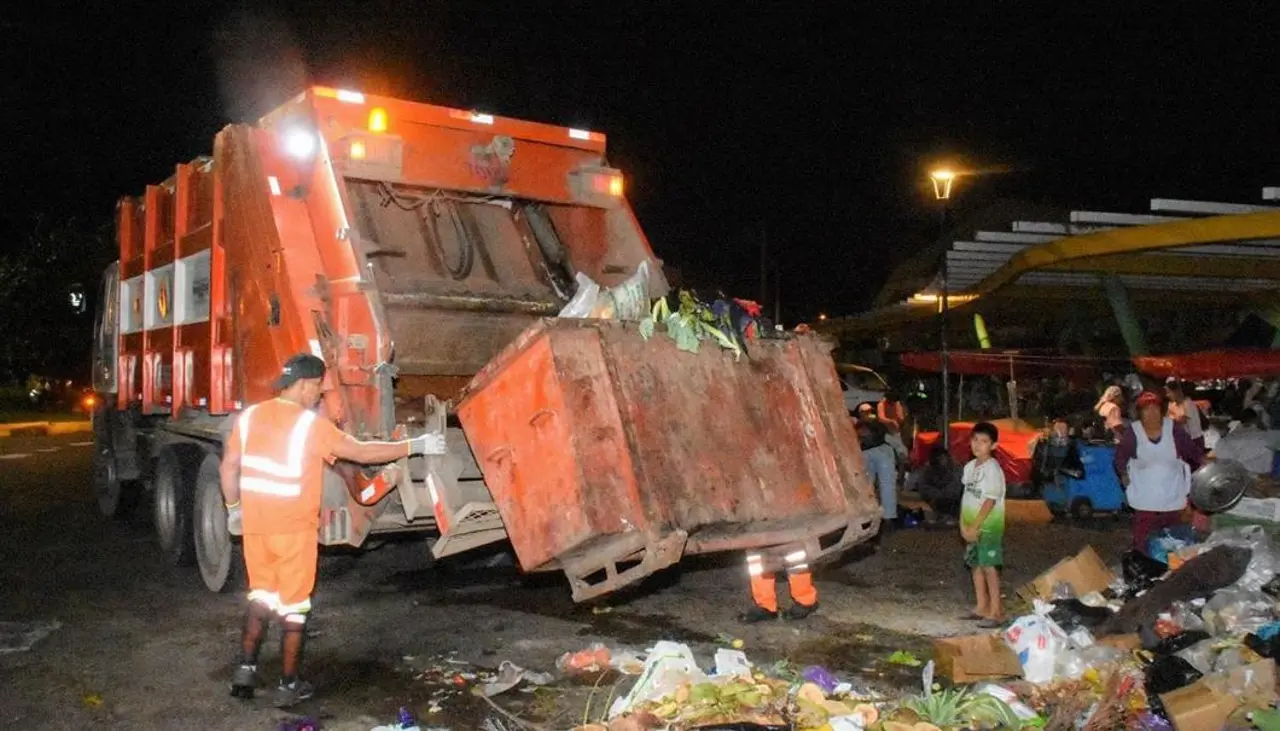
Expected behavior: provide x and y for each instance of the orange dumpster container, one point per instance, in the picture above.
(610, 457)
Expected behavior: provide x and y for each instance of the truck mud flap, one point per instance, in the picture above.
(625, 561)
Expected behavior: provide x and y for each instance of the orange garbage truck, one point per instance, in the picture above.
(424, 252)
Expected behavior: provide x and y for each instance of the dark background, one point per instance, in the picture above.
(814, 123)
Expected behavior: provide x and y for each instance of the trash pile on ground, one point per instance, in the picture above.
(1182, 642)
(1145, 647)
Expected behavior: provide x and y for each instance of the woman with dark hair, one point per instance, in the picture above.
(1155, 458)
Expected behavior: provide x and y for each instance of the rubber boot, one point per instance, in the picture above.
(799, 611)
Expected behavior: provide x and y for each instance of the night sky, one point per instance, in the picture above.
(813, 125)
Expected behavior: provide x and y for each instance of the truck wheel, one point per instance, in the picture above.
(217, 553)
(116, 499)
(173, 508)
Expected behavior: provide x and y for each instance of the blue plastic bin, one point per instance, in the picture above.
(1099, 491)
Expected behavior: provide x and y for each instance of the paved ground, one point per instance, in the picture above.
(143, 646)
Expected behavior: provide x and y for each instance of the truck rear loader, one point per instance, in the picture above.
(423, 252)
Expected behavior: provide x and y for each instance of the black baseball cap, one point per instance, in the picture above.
(302, 365)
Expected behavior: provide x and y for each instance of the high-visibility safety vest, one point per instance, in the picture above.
(280, 477)
(273, 474)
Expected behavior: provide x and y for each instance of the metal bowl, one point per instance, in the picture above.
(1219, 485)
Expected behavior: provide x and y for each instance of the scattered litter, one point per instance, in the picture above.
(509, 676)
(901, 657)
(823, 678)
(93, 700)
(310, 724)
(731, 663)
(21, 636)
(593, 659)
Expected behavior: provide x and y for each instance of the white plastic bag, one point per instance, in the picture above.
(631, 298)
(1037, 641)
(584, 300)
(668, 665)
(732, 663)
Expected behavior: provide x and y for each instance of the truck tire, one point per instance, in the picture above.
(116, 499)
(217, 553)
(172, 506)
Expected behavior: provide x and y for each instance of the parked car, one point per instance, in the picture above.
(860, 385)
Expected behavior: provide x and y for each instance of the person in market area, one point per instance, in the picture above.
(271, 477)
(1055, 455)
(1251, 446)
(1154, 459)
(881, 461)
(1110, 408)
(1184, 411)
(893, 414)
(982, 524)
(763, 568)
(938, 484)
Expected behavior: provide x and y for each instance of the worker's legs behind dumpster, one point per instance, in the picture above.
(804, 594)
(763, 590)
(881, 463)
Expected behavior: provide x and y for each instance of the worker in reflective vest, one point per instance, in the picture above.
(763, 570)
(272, 474)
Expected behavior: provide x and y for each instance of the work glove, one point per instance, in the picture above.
(428, 444)
(235, 522)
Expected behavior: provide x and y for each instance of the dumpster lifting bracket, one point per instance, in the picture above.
(655, 556)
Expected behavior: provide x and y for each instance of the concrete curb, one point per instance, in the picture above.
(44, 428)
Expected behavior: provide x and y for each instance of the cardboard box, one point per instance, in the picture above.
(1128, 643)
(971, 658)
(1206, 704)
(1085, 572)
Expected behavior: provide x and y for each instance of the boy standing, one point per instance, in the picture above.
(982, 524)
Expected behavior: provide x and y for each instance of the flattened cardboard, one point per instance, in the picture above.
(1085, 572)
(1128, 643)
(1206, 704)
(971, 658)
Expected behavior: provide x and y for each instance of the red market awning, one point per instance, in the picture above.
(1003, 363)
(1211, 364)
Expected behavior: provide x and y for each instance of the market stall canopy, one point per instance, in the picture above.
(1013, 450)
(1212, 364)
(1013, 363)
(1184, 252)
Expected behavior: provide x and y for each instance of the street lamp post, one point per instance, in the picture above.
(942, 180)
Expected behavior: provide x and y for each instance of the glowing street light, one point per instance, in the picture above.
(942, 179)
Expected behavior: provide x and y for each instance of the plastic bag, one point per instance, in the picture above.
(1169, 673)
(1265, 562)
(1037, 641)
(1140, 572)
(1168, 541)
(1235, 611)
(631, 298)
(1201, 654)
(1186, 617)
(1234, 657)
(1178, 643)
(668, 665)
(584, 300)
(594, 659)
(1070, 614)
(1069, 665)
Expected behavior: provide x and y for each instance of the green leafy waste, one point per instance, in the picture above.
(689, 325)
(902, 657)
